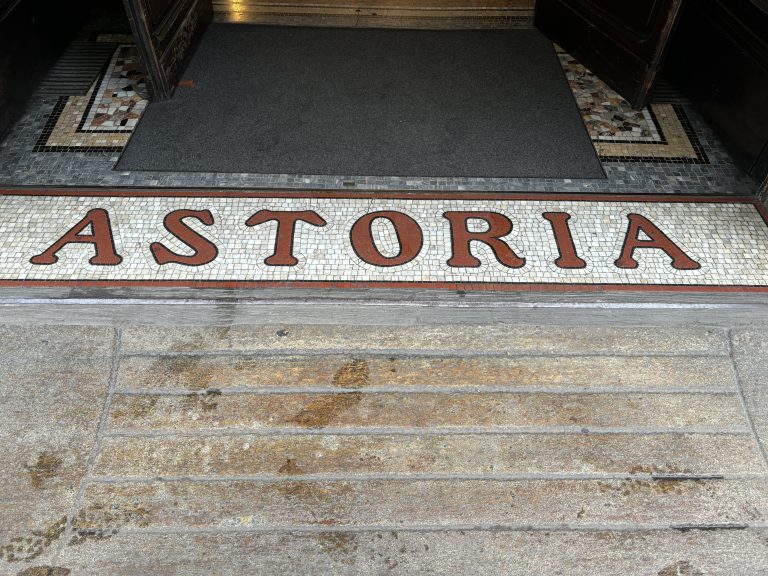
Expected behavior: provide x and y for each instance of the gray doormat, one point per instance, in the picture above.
(366, 102)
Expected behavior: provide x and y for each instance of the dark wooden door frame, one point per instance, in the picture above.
(611, 40)
(166, 31)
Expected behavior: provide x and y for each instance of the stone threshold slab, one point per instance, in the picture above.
(99, 238)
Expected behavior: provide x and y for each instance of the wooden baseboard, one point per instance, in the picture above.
(509, 14)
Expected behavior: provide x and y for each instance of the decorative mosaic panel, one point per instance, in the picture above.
(454, 241)
(116, 104)
(105, 117)
(607, 116)
(658, 132)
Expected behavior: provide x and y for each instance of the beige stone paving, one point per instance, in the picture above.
(468, 552)
(379, 450)
(358, 455)
(50, 405)
(194, 373)
(425, 411)
(447, 339)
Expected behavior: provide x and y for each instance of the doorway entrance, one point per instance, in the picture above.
(664, 146)
(622, 44)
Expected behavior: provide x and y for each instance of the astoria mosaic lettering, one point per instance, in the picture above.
(490, 228)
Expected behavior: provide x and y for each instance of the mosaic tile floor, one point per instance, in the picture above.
(76, 140)
(660, 132)
(357, 239)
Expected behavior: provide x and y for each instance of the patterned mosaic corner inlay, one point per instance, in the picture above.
(658, 132)
(104, 118)
(453, 241)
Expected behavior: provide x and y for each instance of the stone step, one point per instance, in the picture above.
(651, 373)
(399, 504)
(364, 455)
(470, 553)
(356, 450)
(461, 340)
(351, 410)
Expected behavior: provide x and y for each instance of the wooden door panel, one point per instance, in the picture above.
(622, 42)
(639, 15)
(166, 31)
(158, 9)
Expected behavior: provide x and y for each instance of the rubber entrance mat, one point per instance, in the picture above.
(365, 102)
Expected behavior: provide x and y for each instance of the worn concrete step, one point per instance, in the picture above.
(652, 373)
(431, 454)
(51, 388)
(49, 416)
(393, 504)
(50, 405)
(517, 339)
(424, 410)
(470, 553)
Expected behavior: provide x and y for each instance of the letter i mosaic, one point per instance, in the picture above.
(485, 241)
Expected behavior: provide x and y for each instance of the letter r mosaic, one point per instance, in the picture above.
(324, 239)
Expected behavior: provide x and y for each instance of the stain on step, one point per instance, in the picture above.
(29, 547)
(101, 522)
(327, 408)
(205, 401)
(45, 571)
(339, 545)
(681, 568)
(193, 371)
(46, 468)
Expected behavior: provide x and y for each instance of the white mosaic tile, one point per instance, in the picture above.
(726, 240)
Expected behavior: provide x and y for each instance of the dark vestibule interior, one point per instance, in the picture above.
(714, 53)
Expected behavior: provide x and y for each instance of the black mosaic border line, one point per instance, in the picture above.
(693, 138)
(690, 133)
(53, 118)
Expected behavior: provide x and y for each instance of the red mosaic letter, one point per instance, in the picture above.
(101, 238)
(564, 240)
(286, 227)
(408, 232)
(461, 239)
(205, 251)
(657, 239)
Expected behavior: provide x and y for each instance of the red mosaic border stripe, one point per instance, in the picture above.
(457, 286)
(375, 194)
